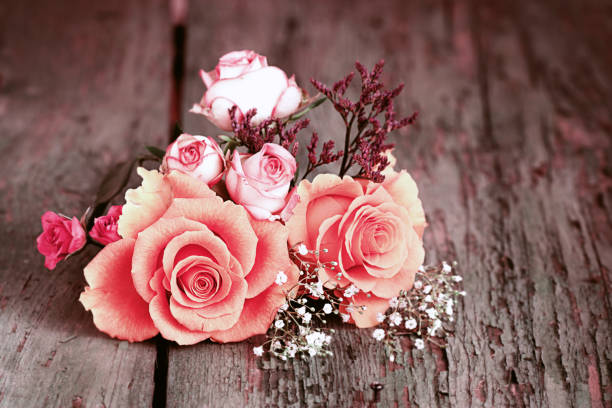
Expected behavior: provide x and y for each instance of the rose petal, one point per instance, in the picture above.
(169, 328)
(117, 308)
(257, 316)
(145, 204)
(374, 305)
(149, 249)
(218, 316)
(272, 256)
(227, 220)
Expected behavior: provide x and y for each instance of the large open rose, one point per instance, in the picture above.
(372, 230)
(190, 266)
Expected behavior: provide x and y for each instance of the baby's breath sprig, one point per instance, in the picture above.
(299, 328)
(424, 312)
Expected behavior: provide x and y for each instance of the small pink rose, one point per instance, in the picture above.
(244, 79)
(61, 237)
(197, 156)
(105, 228)
(260, 182)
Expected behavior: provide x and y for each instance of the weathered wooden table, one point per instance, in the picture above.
(512, 153)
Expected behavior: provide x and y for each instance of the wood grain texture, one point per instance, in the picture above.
(511, 153)
(78, 93)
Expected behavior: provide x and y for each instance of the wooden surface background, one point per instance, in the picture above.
(512, 153)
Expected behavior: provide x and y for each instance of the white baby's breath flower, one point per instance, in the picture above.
(302, 250)
(419, 344)
(421, 268)
(428, 299)
(345, 317)
(418, 284)
(301, 310)
(292, 349)
(284, 306)
(446, 268)
(351, 291)
(449, 308)
(395, 318)
(463, 293)
(316, 290)
(307, 317)
(258, 351)
(422, 307)
(427, 289)
(327, 308)
(279, 324)
(378, 334)
(281, 278)
(411, 324)
(316, 339)
(432, 313)
(393, 302)
(380, 317)
(392, 358)
(457, 278)
(436, 325)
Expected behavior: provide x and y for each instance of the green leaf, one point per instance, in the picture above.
(176, 131)
(308, 108)
(225, 138)
(156, 151)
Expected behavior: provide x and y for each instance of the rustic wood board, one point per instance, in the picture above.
(511, 153)
(83, 85)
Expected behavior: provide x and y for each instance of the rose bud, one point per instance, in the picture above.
(105, 228)
(260, 182)
(197, 156)
(244, 79)
(61, 237)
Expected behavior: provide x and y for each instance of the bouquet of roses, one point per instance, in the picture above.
(228, 238)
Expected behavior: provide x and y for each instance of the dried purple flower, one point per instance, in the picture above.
(253, 137)
(367, 146)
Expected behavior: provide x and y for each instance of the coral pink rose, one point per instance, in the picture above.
(197, 156)
(105, 228)
(203, 269)
(373, 231)
(260, 182)
(61, 237)
(244, 79)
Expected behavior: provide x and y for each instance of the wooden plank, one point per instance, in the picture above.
(511, 156)
(82, 86)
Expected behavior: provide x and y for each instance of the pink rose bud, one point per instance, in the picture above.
(61, 237)
(105, 228)
(196, 156)
(244, 79)
(260, 182)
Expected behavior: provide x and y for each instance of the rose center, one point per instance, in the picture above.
(273, 167)
(199, 283)
(191, 154)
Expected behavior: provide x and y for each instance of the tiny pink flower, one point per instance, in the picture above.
(61, 237)
(105, 228)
